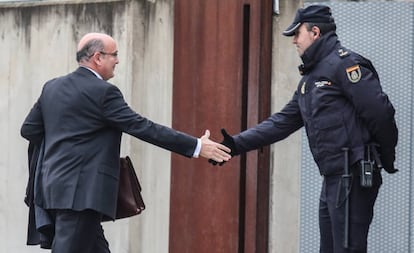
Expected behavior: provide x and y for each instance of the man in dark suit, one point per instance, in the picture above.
(80, 118)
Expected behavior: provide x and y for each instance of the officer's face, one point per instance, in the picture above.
(304, 38)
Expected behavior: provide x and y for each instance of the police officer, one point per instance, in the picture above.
(340, 102)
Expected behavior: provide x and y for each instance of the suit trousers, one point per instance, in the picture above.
(332, 213)
(78, 232)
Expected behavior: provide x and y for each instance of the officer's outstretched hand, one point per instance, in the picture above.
(228, 142)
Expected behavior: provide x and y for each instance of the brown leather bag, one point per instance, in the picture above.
(130, 201)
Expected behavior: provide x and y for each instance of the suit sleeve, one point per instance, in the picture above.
(118, 114)
(275, 128)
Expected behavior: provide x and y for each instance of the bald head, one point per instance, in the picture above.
(98, 51)
(93, 36)
(91, 43)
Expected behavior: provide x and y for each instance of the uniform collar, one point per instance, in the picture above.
(317, 51)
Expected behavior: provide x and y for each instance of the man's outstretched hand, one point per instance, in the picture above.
(212, 150)
(228, 142)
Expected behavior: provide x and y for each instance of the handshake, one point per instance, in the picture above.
(229, 143)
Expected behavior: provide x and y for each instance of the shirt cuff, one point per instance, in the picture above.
(197, 149)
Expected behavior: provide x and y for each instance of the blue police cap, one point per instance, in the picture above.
(310, 14)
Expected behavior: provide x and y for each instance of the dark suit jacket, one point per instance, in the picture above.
(81, 119)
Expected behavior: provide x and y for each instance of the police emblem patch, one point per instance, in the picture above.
(354, 73)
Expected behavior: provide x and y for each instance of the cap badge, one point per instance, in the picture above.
(354, 73)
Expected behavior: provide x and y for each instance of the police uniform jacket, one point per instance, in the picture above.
(340, 102)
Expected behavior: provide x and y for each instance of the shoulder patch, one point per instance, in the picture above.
(354, 73)
(342, 53)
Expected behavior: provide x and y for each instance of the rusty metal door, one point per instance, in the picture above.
(222, 63)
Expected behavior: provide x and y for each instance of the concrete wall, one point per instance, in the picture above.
(286, 155)
(38, 41)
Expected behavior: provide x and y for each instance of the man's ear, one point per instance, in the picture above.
(96, 58)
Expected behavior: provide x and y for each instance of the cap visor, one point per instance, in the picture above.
(290, 31)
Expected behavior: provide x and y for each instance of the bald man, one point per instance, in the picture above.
(80, 119)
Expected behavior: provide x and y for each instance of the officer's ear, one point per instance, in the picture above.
(316, 32)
